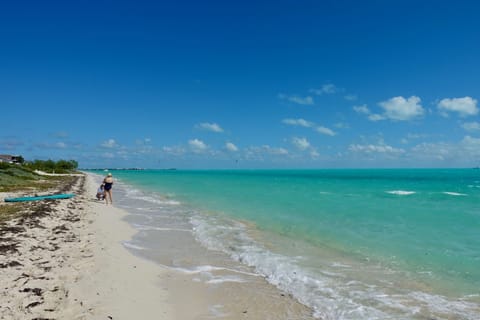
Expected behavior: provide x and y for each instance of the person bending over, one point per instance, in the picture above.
(101, 193)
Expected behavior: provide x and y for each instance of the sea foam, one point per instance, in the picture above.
(455, 193)
(401, 192)
(132, 246)
(330, 293)
(333, 292)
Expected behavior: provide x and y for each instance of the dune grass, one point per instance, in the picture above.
(23, 181)
(15, 178)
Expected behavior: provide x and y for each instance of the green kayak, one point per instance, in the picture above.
(52, 196)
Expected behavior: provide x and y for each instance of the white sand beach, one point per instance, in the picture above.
(67, 261)
(70, 264)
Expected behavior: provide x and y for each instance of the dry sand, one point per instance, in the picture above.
(118, 285)
(66, 260)
(38, 256)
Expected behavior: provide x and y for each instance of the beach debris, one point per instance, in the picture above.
(35, 291)
(33, 304)
(12, 263)
(34, 246)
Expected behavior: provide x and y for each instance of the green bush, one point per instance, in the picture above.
(61, 166)
(4, 165)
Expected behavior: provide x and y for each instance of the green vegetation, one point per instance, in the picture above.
(12, 210)
(50, 166)
(15, 177)
(23, 179)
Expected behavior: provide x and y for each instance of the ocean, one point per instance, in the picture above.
(349, 244)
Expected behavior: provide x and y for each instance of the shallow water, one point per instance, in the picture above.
(349, 244)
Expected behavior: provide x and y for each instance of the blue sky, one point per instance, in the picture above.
(247, 84)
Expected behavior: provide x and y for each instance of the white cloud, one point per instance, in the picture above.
(308, 100)
(231, 147)
(110, 143)
(342, 125)
(197, 146)
(174, 151)
(376, 117)
(466, 152)
(308, 124)
(466, 106)
(213, 127)
(328, 88)
(144, 150)
(471, 143)
(264, 153)
(363, 109)
(47, 145)
(301, 143)
(298, 122)
(399, 108)
(314, 153)
(142, 147)
(326, 131)
(432, 151)
(299, 100)
(351, 97)
(471, 126)
(265, 149)
(413, 136)
(276, 151)
(370, 148)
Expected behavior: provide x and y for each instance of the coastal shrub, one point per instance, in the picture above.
(4, 166)
(15, 177)
(50, 166)
(19, 178)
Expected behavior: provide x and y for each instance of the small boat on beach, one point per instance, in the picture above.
(36, 198)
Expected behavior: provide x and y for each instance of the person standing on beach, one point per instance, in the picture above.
(107, 187)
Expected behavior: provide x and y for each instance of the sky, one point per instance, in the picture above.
(241, 84)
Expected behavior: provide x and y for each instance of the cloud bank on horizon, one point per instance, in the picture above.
(296, 148)
(223, 85)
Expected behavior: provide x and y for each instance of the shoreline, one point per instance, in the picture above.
(67, 260)
(118, 284)
(81, 259)
(178, 217)
(191, 293)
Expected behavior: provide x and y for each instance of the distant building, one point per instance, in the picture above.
(10, 159)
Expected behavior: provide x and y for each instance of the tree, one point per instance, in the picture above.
(61, 166)
(19, 159)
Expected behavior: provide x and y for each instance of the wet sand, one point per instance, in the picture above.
(67, 260)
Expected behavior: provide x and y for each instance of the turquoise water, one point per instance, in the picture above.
(371, 243)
